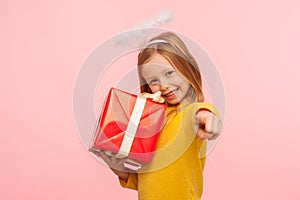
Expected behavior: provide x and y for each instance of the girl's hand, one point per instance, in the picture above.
(210, 125)
(115, 164)
(112, 161)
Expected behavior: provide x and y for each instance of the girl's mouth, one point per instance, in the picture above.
(170, 94)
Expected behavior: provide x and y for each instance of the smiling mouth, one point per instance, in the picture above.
(168, 94)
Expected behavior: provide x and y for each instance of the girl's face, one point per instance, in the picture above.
(161, 76)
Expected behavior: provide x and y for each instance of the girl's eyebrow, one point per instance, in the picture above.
(163, 72)
(167, 69)
(150, 77)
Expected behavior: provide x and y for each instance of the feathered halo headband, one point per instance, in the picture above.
(166, 42)
(143, 30)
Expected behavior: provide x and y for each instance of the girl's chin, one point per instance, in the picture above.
(172, 103)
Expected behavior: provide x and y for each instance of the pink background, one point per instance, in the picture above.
(254, 44)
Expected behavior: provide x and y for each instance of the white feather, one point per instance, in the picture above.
(139, 35)
(159, 19)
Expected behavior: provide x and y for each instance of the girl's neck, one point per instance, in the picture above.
(180, 105)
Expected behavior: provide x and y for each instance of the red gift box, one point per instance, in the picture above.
(129, 126)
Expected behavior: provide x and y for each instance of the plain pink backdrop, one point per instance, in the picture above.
(254, 44)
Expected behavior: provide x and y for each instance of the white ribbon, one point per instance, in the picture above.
(135, 120)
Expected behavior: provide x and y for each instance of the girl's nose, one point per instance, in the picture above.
(164, 85)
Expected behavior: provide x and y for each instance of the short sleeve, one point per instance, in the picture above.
(208, 106)
(132, 182)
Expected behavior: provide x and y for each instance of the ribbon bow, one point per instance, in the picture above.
(155, 97)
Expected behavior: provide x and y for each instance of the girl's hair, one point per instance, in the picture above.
(173, 49)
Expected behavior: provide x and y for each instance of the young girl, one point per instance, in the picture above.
(175, 172)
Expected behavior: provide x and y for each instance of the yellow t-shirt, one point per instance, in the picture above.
(177, 165)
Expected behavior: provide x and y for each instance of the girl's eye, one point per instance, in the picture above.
(169, 73)
(153, 82)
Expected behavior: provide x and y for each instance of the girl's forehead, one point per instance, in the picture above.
(158, 59)
(155, 65)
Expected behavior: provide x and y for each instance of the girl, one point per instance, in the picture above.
(175, 172)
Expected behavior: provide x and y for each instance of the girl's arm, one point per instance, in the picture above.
(127, 178)
(122, 175)
(115, 164)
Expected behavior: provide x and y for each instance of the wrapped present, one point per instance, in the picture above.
(129, 126)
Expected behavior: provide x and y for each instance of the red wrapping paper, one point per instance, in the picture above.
(114, 119)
